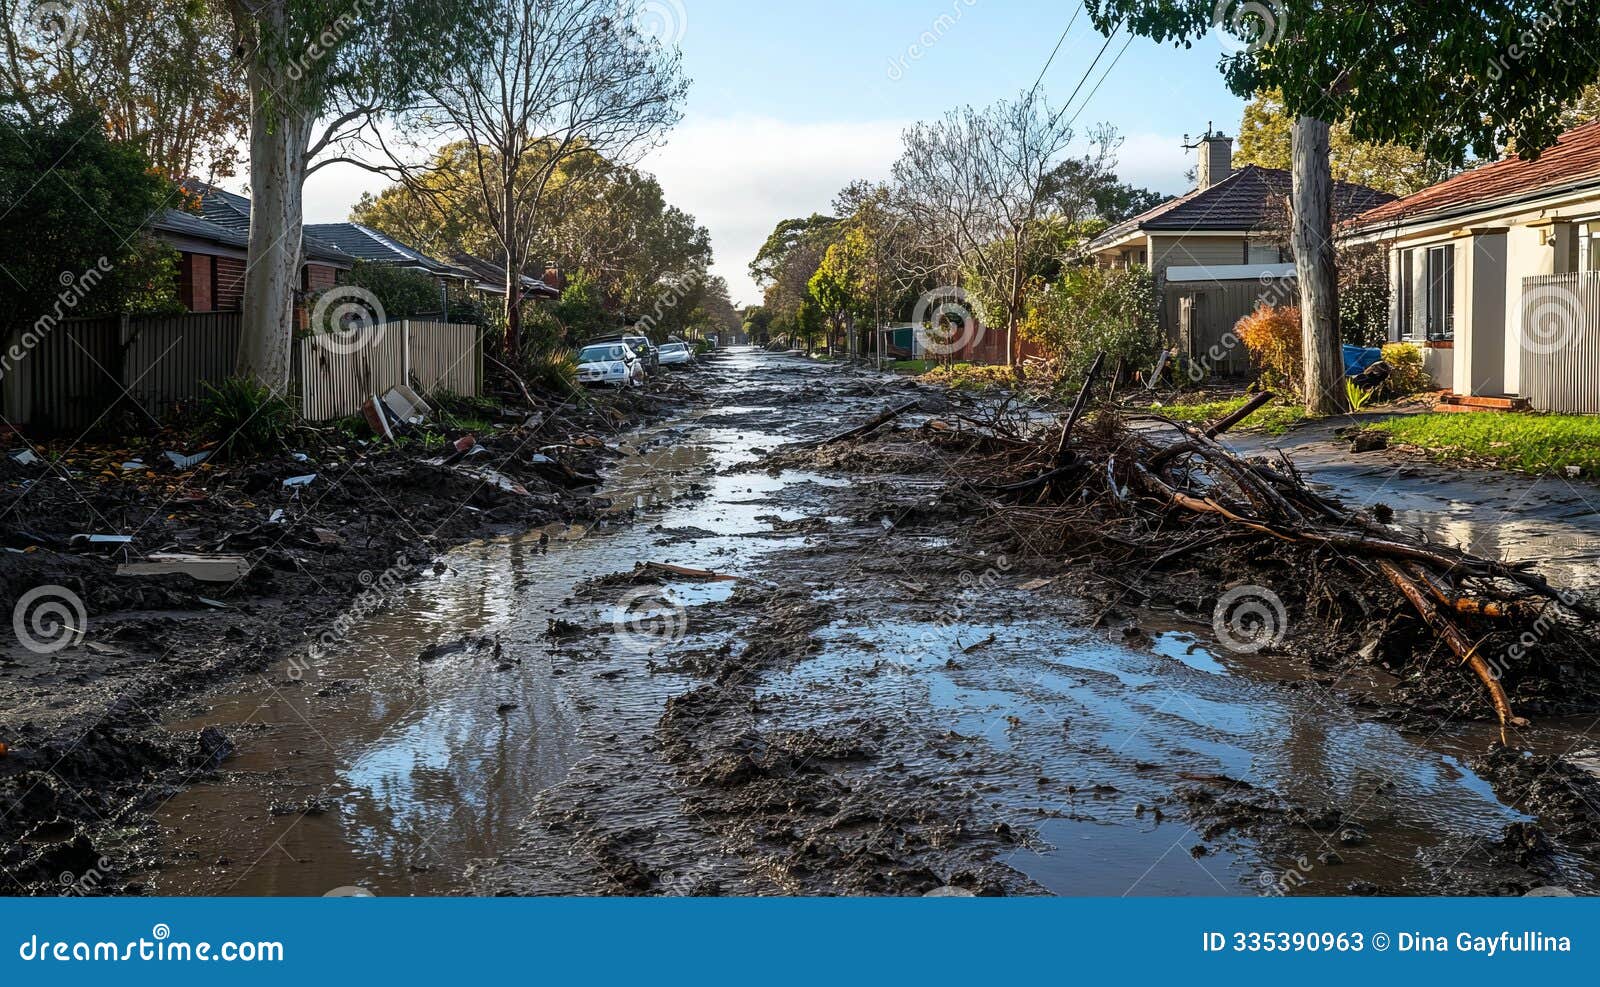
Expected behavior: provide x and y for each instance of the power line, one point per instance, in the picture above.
(1056, 51)
(1088, 71)
(1085, 104)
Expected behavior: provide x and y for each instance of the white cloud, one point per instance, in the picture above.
(1155, 161)
(740, 175)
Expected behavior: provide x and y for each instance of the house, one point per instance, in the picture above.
(1219, 249)
(212, 245)
(491, 278)
(1496, 274)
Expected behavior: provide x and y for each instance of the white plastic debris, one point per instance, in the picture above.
(24, 456)
(299, 481)
(183, 462)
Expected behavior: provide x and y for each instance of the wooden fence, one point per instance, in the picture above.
(1560, 342)
(79, 373)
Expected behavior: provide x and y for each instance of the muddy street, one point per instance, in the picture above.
(843, 687)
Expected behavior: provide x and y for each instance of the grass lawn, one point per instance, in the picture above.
(910, 366)
(1274, 419)
(1535, 443)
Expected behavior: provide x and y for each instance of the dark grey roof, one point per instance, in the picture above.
(492, 277)
(199, 228)
(1242, 202)
(226, 219)
(370, 245)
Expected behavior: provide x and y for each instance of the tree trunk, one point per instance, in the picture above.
(278, 142)
(513, 340)
(1314, 264)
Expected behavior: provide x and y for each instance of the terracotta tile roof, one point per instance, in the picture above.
(1242, 201)
(1574, 159)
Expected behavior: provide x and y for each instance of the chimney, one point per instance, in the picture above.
(1216, 159)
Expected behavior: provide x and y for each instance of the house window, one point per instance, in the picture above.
(1408, 302)
(1441, 296)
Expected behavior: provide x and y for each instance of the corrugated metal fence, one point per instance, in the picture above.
(1204, 314)
(1560, 341)
(79, 373)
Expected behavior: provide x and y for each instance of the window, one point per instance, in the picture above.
(1441, 293)
(1408, 305)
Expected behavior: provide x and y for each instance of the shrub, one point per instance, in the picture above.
(1272, 335)
(974, 377)
(402, 293)
(554, 369)
(246, 418)
(1408, 375)
(1363, 294)
(1092, 310)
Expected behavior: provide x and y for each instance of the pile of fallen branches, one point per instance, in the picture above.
(1145, 484)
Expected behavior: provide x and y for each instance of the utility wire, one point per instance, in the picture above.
(1085, 104)
(1056, 51)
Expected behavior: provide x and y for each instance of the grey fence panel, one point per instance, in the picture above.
(169, 360)
(1560, 342)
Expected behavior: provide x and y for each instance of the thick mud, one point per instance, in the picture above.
(879, 702)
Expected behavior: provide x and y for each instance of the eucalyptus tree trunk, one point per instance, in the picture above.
(1314, 264)
(278, 141)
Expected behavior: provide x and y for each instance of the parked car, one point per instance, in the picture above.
(675, 354)
(610, 365)
(647, 351)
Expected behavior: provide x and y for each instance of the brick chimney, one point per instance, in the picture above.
(1216, 159)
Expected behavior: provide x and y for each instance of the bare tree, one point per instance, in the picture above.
(554, 80)
(981, 183)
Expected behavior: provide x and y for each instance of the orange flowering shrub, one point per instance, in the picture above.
(1272, 335)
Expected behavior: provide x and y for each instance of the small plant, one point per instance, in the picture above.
(246, 418)
(1272, 335)
(1407, 374)
(554, 369)
(1359, 396)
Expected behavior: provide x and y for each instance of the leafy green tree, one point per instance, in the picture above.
(1090, 310)
(73, 242)
(785, 238)
(160, 72)
(1116, 201)
(1264, 140)
(401, 292)
(1432, 76)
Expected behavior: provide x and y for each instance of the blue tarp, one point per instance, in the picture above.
(1359, 358)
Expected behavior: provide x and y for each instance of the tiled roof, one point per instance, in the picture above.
(226, 216)
(370, 245)
(1242, 202)
(1574, 160)
(200, 228)
(492, 277)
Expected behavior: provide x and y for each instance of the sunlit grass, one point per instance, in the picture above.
(1534, 443)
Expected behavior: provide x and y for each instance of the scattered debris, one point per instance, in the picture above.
(685, 572)
(182, 462)
(80, 541)
(24, 456)
(299, 481)
(205, 568)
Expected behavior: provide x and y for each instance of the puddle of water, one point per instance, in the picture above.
(426, 767)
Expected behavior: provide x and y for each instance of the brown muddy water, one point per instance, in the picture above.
(382, 771)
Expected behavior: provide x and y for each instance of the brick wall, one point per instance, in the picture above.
(229, 291)
(194, 282)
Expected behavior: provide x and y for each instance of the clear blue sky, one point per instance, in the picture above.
(791, 101)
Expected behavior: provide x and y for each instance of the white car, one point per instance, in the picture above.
(609, 365)
(675, 354)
